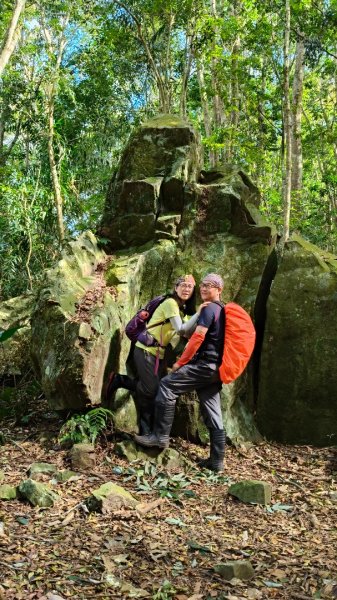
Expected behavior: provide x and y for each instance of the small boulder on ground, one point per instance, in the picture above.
(7, 492)
(83, 457)
(38, 494)
(240, 569)
(63, 476)
(37, 469)
(110, 497)
(168, 458)
(251, 491)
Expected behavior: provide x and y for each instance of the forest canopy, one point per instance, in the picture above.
(257, 79)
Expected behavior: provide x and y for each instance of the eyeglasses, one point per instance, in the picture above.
(207, 286)
(186, 286)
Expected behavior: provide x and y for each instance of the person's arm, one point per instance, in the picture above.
(191, 347)
(183, 327)
(186, 327)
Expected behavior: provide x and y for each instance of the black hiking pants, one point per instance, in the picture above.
(147, 387)
(201, 376)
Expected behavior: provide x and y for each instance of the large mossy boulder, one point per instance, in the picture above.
(297, 400)
(165, 216)
(163, 150)
(74, 320)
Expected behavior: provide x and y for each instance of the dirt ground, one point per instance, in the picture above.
(191, 524)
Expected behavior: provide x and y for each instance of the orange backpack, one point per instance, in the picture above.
(238, 344)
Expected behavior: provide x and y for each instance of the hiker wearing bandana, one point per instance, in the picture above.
(170, 315)
(197, 369)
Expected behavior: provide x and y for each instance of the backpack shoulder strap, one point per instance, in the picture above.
(158, 323)
(164, 321)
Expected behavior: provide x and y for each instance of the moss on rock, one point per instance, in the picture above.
(297, 400)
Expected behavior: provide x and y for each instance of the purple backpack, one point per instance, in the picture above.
(136, 329)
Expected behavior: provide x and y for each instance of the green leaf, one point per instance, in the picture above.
(172, 521)
(8, 333)
(190, 493)
(195, 546)
(282, 507)
(22, 520)
(273, 584)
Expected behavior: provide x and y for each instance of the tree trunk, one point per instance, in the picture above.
(287, 127)
(51, 94)
(53, 168)
(189, 54)
(12, 35)
(162, 79)
(205, 109)
(218, 114)
(234, 91)
(296, 142)
(262, 127)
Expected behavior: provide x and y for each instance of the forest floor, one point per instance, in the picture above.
(170, 551)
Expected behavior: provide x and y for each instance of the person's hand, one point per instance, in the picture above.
(175, 367)
(203, 305)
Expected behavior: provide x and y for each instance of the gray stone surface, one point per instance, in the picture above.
(252, 491)
(168, 458)
(38, 494)
(110, 497)
(70, 358)
(83, 457)
(240, 569)
(37, 469)
(297, 399)
(7, 492)
(63, 476)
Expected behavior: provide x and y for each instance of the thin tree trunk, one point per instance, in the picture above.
(53, 169)
(51, 93)
(260, 118)
(205, 109)
(189, 55)
(164, 94)
(234, 90)
(12, 35)
(296, 143)
(218, 115)
(27, 212)
(287, 127)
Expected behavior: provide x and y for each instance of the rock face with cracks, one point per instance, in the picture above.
(165, 216)
(70, 345)
(297, 400)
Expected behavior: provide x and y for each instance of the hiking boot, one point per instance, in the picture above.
(160, 437)
(116, 381)
(217, 452)
(152, 441)
(206, 463)
(145, 421)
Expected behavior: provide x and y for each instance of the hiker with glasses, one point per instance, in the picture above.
(166, 324)
(197, 369)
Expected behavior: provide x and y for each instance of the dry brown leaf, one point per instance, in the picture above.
(146, 507)
(314, 521)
